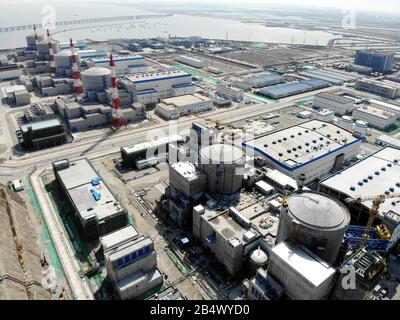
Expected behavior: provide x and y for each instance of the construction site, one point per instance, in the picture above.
(190, 168)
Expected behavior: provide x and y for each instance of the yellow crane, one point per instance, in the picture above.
(373, 212)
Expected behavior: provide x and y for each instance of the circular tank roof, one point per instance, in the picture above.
(221, 153)
(259, 256)
(317, 210)
(96, 71)
(347, 118)
(361, 123)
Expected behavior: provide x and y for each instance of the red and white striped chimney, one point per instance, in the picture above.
(76, 75)
(35, 34)
(118, 119)
(51, 54)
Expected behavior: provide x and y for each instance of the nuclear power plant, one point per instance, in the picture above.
(206, 166)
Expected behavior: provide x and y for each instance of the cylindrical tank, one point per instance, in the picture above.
(360, 129)
(96, 79)
(346, 122)
(63, 59)
(315, 220)
(258, 259)
(224, 166)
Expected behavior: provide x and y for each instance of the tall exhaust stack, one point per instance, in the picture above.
(51, 54)
(36, 38)
(76, 75)
(118, 119)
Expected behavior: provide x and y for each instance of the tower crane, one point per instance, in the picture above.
(377, 200)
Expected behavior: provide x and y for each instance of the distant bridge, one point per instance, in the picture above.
(85, 21)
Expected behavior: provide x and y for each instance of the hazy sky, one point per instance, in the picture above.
(368, 5)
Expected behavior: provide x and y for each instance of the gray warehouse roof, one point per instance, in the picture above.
(334, 97)
(294, 87)
(41, 125)
(78, 181)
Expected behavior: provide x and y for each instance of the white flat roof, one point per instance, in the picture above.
(187, 99)
(152, 144)
(118, 237)
(388, 105)
(186, 169)
(153, 76)
(302, 143)
(311, 267)
(372, 176)
(393, 142)
(281, 178)
(264, 186)
(77, 180)
(373, 111)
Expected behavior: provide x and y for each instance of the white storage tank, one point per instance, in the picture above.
(314, 220)
(96, 79)
(224, 166)
(360, 129)
(346, 122)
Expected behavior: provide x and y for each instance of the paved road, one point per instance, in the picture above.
(101, 144)
(79, 287)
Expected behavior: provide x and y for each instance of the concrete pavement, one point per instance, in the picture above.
(79, 287)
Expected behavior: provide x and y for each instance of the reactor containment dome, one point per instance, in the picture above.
(224, 166)
(314, 220)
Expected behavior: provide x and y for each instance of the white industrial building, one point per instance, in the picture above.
(387, 141)
(172, 108)
(16, 95)
(124, 64)
(326, 115)
(387, 89)
(149, 88)
(312, 148)
(63, 62)
(167, 111)
(131, 263)
(303, 274)
(191, 61)
(97, 210)
(263, 79)
(187, 178)
(81, 117)
(9, 72)
(386, 106)
(233, 93)
(375, 175)
(375, 117)
(338, 104)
